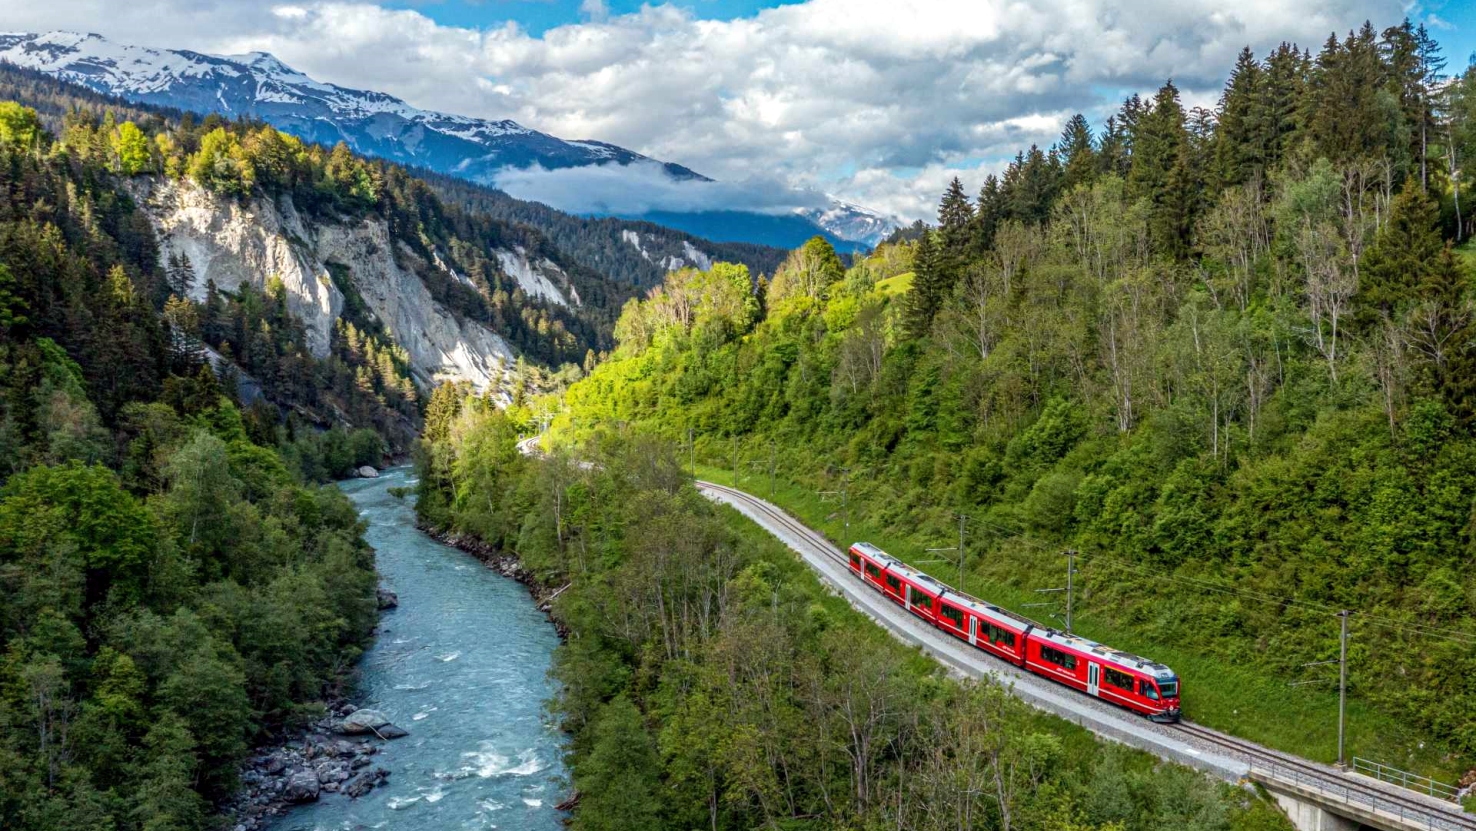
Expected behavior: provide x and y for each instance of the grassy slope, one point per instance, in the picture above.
(1079, 745)
(1301, 720)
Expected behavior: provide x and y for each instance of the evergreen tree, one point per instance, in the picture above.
(1163, 172)
(180, 274)
(955, 218)
(1400, 258)
(1078, 154)
(929, 287)
(1239, 154)
(1278, 103)
(1113, 158)
(988, 213)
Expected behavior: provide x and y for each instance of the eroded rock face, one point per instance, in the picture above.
(234, 243)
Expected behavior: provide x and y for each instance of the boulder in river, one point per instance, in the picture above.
(363, 721)
(386, 599)
(364, 782)
(390, 731)
(302, 786)
(367, 472)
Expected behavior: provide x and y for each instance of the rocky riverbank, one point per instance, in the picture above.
(334, 754)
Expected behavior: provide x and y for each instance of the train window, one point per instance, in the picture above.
(1147, 690)
(921, 601)
(1169, 688)
(953, 615)
(1058, 657)
(855, 561)
(1121, 680)
(873, 570)
(893, 583)
(1000, 636)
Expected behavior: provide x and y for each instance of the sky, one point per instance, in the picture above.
(879, 102)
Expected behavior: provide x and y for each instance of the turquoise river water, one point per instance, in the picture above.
(463, 665)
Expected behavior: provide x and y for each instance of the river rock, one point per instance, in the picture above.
(387, 599)
(302, 786)
(364, 782)
(367, 472)
(363, 721)
(390, 731)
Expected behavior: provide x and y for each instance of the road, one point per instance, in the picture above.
(1216, 753)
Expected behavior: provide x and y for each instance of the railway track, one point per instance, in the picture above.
(1413, 809)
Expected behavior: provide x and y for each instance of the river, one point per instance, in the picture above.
(463, 665)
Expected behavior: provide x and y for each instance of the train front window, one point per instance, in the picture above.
(1147, 690)
(1170, 689)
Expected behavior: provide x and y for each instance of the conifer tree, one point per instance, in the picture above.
(1162, 172)
(955, 215)
(1239, 155)
(929, 285)
(1400, 258)
(989, 212)
(1279, 102)
(1078, 153)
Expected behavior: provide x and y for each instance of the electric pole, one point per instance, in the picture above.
(959, 548)
(1070, 573)
(1342, 687)
(845, 504)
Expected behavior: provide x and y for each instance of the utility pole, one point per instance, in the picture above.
(845, 504)
(771, 470)
(1070, 573)
(1342, 663)
(1068, 589)
(1342, 687)
(959, 548)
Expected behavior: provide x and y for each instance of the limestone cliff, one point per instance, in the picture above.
(233, 242)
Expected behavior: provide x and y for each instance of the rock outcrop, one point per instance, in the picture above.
(232, 243)
(367, 472)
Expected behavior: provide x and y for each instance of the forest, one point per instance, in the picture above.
(1225, 356)
(174, 586)
(709, 681)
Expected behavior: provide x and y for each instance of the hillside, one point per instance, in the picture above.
(173, 585)
(1227, 359)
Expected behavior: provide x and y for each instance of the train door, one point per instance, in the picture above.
(1094, 677)
(973, 631)
(907, 595)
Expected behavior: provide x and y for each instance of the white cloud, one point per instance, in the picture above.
(645, 186)
(864, 98)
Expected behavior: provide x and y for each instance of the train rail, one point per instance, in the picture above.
(1366, 794)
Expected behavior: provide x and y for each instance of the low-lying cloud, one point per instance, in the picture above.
(643, 187)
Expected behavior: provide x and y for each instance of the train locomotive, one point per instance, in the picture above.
(1138, 684)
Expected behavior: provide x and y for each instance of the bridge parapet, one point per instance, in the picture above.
(1322, 803)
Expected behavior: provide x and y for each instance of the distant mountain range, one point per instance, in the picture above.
(377, 124)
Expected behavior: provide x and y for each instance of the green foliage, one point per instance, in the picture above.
(19, 125)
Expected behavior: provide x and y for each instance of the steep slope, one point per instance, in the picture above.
(461, 292)
(260, 86)
(230, 244)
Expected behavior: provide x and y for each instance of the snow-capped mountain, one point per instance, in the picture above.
(853, 222)
(261, 86)
(375, 123)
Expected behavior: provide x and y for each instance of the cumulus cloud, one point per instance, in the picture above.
(857, 97)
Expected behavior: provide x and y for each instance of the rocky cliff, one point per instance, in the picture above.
(233, 242)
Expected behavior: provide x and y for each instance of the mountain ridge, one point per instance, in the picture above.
(260, 85)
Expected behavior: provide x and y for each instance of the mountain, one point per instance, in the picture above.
(853, 222)
(260, 86)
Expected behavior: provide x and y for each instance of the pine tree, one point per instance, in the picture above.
(1112, 154)
(989, 212)
(955, 216)
(1163, 172)
(1239, 155)
(928, 287)
(180, 274)
(1401, 257)
(1278, 103)
(1078, 153)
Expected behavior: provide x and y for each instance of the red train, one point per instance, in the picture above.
(1101, 671)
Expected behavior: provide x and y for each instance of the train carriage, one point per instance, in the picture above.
(1098, 670)
(1103, 672)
